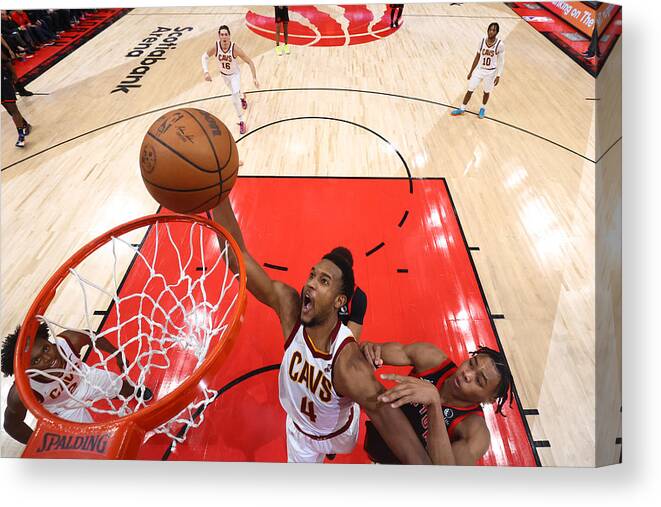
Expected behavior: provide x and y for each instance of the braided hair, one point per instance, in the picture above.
(504, 389)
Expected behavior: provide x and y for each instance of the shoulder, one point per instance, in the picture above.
(75, 340)
(475, 432)
(425, 356)
(288, 304)
(13, 399)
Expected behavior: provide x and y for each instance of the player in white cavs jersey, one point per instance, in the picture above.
(487, 68)
(227, 52)
(66, 383)
(324, 379)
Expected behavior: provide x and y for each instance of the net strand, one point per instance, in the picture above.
(176, 320)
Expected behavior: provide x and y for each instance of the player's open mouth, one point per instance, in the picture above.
(307, 303)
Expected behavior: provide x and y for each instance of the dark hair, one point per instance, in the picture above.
(494, 24)
(342, 258)
(9, 348)
(225, 27)
(504, 388)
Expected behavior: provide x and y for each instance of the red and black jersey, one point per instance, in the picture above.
(416, 413)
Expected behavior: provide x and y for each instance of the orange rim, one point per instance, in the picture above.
(171, 404)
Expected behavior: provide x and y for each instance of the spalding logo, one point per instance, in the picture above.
(89, 443)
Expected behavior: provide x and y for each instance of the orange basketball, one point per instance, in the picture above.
(188, 160)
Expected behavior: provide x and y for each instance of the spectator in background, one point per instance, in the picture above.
(14, 35)
(37, 32)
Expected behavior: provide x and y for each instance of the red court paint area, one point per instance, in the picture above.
(314, 26)
(420, 285)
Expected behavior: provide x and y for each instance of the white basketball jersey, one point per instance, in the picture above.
(59, 391)
(489, 54)
(228, 64)
(306, 383)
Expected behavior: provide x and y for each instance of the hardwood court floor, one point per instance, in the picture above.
(523, 180)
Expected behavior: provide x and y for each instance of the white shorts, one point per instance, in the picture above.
(233, 82)
(303, 449)
(486, 76)
(96, 384)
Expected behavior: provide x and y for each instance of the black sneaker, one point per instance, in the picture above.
(23, 92)
(20, 143)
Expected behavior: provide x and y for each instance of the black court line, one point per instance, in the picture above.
(542, 443)
(588, 98)
(515, 392)
(474, 248)
(517, 18)
(401, 222)
(377, 247)
(99, 312)
(225, 388)
(187, 14)
(618, 440)
(402, 270)
(497, 316)
(530, 411)
(275, 266)
(277, 90)
(608, 149)
(330, 118)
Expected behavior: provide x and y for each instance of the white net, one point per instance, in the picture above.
(164, 304)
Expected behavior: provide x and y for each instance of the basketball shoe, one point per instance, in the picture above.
(244, 103)
(482, 113)
(278, 50)
(20, 143)
(242, 128)
(457, 112)
(286, 49)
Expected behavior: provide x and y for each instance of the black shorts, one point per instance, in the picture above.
(8, 91)
(281, 14)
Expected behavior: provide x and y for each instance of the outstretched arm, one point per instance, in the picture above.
(422, 356)
(241, 54)
(15, 413)
(353, 377)
(282, 298)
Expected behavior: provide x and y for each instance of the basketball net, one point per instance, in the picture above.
(171, 300)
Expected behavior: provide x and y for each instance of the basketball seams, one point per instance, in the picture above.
(169, 189)
(202, 205)
(206, 134)
(180, 155)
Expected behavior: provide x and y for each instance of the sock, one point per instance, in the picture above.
(484, 106)
(463, 107)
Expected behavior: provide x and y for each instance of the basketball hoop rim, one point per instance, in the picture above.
(172, 403)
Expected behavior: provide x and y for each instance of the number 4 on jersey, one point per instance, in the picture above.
(307, 408)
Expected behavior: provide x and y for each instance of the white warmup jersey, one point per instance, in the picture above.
(306, 385)
(79, 383)
(229, 66)
(489, 55)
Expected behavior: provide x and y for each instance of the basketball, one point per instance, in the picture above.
(188, 160)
